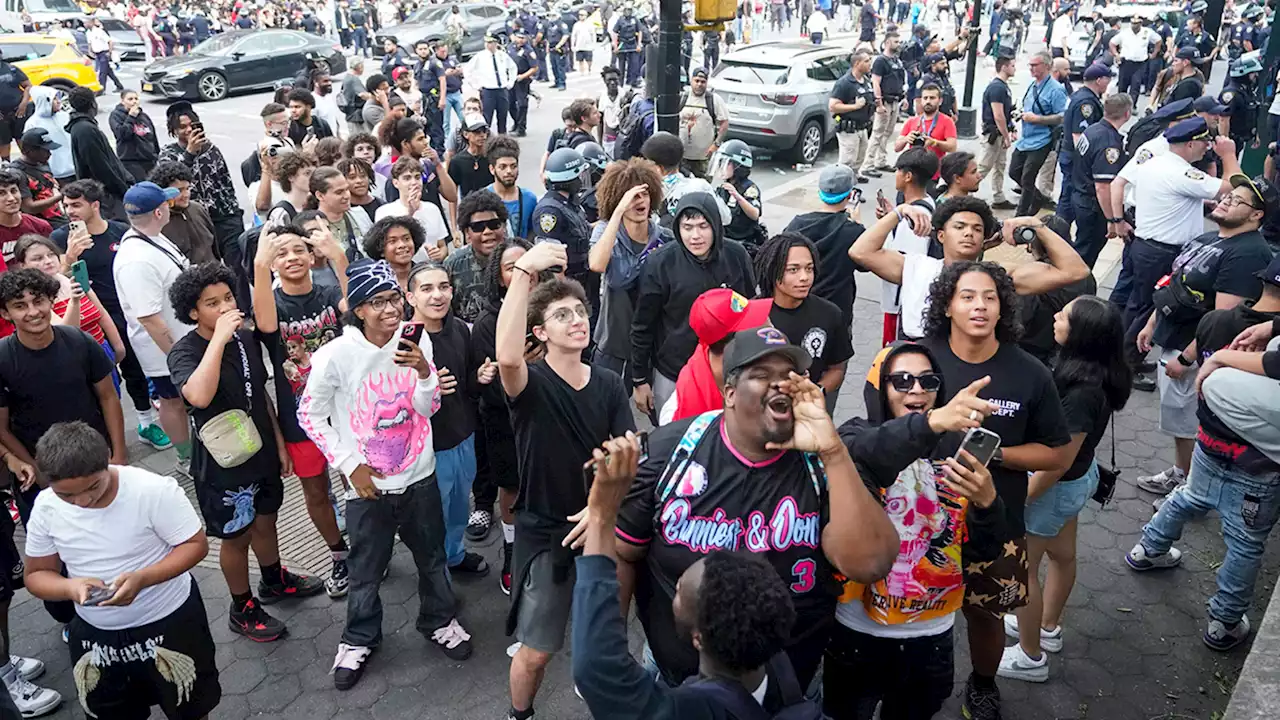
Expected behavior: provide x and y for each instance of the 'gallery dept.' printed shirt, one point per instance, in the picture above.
(722, 501)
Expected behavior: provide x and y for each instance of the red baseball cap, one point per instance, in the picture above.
(720, 312)
(402, 70)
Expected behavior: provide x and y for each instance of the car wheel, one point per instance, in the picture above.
(212, 86)
(808, 143)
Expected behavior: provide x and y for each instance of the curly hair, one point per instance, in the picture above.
(303, 96)
(375, 240)
(491, 287)
(347, 164)
(478, 202)
(664, 149)
(967, 204)
(328, 151)
(89, 189)
(11, 176)
(362, 138)
(744, 612)
(394, 132)
(15, 283)
(501, 146)
(184, 293)
(620, 177)
(943, 290)
(167, 173)
(321, 180)
(175, 116)
(81, 99)
(771, 259)
(290, 164)
(551, 290)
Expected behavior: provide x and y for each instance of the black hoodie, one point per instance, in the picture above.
(670, 280)
(833, 233)
(94, 157)
(136, 139)
(883, 447)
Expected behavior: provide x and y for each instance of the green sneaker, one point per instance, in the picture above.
(154, 436)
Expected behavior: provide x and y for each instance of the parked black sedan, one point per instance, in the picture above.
(431, 23)
(239, 60)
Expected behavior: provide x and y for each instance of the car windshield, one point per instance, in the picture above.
(218, 44)
(52, 6)
(430, 15)
(755, 73)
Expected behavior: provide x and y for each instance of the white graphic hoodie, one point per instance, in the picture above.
(359, 407)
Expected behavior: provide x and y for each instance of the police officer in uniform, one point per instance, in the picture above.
(558, 49)
(1193, 35)
(852, 102)
(1099, 155)
(558, 217)
(534, 30)
(597, 161)
(888, 79)
(913, 54)
(1084, 108)
(1169, 196)
(1240, 97)
(514, 23)
(1163, 29)
(1261, 30)
(627, 35)
(1240, 39)
(730, 174)
(526, 60)
(937, 72)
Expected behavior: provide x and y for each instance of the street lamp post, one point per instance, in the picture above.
(967, 125)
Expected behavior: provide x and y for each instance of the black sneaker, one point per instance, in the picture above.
(348, 665)
(337, 584)
(479, 525)
(1003, 205)
(872, 173)
(980, 704)
(452, 640)
(473, 565)
(506, 569)
(1145, 382)
(254, 623)
(290, 586)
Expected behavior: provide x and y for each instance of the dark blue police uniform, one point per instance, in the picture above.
(1099, 157)
(1083, 109)
(526, 59)
(557, 31)
(557, 218)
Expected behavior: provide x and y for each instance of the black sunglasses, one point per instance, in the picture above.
(904, 381)
(482, 225)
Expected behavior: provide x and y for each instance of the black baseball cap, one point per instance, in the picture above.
(1271, 273)
(749, 346)
(1266, 193)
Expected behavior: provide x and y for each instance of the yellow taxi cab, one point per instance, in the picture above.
(49, 60)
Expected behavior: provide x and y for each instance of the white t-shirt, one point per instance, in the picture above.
(149, 516)
(1061, 34)
(277, 194)
(817, 22)
(584, 37)
(853, 616)
(143, 273)
(327, 110)
(906, 242)
(918, 273)
(428, 215)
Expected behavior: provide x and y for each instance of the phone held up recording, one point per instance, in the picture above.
(589, 470)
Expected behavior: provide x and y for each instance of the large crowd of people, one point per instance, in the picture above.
(627, 376)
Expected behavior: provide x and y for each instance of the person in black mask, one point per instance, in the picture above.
(559, 216)
(730, 174)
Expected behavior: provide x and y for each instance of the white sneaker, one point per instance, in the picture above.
(1218, 636)
(1138, 559)
(32, 700)
(1015, 665)
(1049, 641)
(28, 668)
(1163, 482)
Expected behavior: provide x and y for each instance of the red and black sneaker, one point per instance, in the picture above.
(289, 586)
(506, 569)
(254, 623)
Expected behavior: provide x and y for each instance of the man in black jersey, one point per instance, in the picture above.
(770, 476)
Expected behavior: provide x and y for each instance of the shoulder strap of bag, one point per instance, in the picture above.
(156, 245)
(683, 454)
(732, 697)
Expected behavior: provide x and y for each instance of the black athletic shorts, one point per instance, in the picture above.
(228, 513)
(11, 564)
(129, 681)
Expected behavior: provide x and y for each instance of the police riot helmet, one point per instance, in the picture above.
(1199, 7)
(735, 155)
(1251, 12)
(1246, 65)
(594, 155)
(566, 170)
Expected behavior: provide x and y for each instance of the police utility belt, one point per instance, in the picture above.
(848, 124)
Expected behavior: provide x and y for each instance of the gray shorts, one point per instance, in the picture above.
(544, 609)
(1177, 399)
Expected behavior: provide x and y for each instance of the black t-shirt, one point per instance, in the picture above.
(868, 19)
(11, 79)
(53, 384)
(848, 89)
(818, 327)
(1216, 331)
(1029, 411)
(1037, 311)
(1087, 411)
(997, 92)
(1209, 265)
(99, 260)
(371, 207)
(469, 172)
(722, 502)
(313, 319)
(455, 421)
(241, 371)
(556, 428)
(893, 77)
(298, 131)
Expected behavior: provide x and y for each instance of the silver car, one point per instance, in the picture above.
(777, 95)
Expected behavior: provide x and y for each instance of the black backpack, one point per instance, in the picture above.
(739, 702)
(631, 134)
(711, 106)
(1153, 124)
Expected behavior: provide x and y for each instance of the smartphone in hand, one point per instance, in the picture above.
(412, 331)
(981, 444)
(589, 470)
(80, 273)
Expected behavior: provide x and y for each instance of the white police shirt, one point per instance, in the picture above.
(1155, 146)
(1135, 47)
(1170, 197)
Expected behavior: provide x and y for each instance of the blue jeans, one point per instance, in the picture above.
(1248, 504)
(452, 107)
(455, 472)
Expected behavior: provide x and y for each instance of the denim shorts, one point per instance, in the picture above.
(1048, 514)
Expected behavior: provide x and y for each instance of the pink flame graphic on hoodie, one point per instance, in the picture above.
(390, 433)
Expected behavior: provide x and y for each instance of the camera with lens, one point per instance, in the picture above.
(1024, 235)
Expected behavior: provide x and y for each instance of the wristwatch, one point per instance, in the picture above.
(998, 457)
(1185, 362)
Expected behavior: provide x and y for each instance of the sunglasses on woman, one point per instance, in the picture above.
(482, 225)
(905, 381)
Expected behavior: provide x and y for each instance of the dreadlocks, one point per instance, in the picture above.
(771, 260)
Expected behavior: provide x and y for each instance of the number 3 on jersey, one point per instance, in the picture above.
(806, 575)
